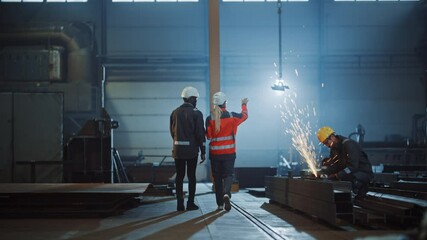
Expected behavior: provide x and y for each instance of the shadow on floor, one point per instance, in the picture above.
(124, 229)
(186, 229)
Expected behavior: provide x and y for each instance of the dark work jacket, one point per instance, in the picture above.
(187, 131)
(349, 151)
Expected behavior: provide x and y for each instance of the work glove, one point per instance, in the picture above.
(203, 157)
(323, 176)
(245, 101)
(325, 170)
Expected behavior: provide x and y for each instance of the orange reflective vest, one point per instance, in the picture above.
(223, 143)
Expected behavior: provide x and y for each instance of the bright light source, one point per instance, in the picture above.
(279, 85)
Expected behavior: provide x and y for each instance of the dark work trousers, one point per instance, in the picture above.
(180, 165)
(358, 179)
(222, 173)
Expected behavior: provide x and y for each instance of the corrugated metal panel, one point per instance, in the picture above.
(6, 137)
(37, 131)
(143, 110)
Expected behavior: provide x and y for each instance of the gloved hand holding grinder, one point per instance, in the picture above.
(331, 167)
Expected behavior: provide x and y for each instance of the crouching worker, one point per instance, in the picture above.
(347, 161)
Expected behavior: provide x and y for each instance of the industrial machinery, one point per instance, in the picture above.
(91, 156)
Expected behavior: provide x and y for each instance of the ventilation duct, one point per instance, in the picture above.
(42, 47)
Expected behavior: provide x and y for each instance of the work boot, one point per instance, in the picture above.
(191, 206)
(361, 192)
(227, 204)
(180, 205)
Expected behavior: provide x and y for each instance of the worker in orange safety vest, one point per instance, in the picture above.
(221, 130)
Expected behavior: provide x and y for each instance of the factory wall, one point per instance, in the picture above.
(346, 64)
(376, 79)
(154, 51)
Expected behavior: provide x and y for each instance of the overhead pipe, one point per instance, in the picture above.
(77, 38)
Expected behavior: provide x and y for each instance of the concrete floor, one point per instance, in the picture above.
(250, 218)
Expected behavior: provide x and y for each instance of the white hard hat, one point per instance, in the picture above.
(219, 98)
(189, 91)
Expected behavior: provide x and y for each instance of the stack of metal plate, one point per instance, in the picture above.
(327, 200)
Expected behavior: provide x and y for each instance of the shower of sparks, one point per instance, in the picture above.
(300, 129)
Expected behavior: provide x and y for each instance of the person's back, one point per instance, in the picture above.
(353, 155)
(188, 133)
(223, 141)
(221, 130)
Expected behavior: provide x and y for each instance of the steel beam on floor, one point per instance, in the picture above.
(400, 192)
(410, 185)
(38, 199)
(405, 211)
(324, 199)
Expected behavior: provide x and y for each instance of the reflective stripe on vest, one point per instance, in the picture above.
(185, 143)
(221, 147)
(222, 138)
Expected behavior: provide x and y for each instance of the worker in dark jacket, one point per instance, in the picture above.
(347, 161)
(188, 134)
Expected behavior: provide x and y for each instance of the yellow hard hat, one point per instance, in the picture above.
(324, 133)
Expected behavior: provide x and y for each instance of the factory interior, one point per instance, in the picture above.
(87, 88)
